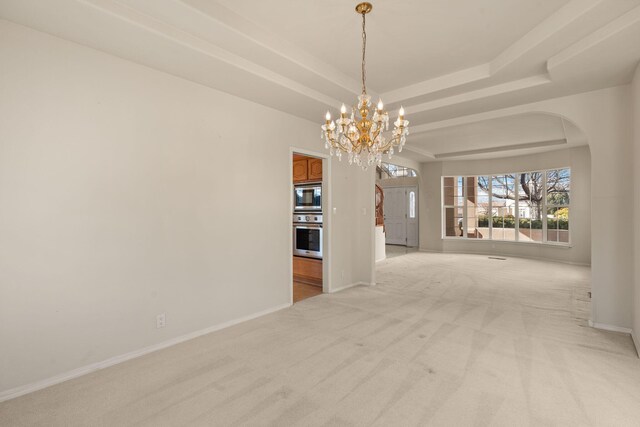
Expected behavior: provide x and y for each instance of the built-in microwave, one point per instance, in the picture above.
(307, 197)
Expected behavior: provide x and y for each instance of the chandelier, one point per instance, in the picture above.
(360, 134)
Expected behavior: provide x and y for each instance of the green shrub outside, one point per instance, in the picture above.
(525, 223)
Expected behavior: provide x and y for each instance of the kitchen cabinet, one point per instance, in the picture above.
(314, 169)
(300, 170)
(307, 169)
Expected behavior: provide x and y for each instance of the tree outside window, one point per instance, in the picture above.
(510, 207)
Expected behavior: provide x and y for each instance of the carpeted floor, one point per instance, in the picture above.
(393, 251)
(441, 340)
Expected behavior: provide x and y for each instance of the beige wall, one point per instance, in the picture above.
(605, 117)
(579, 161)
(126, 192)
(399, 182)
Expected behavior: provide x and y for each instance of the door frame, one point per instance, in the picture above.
(407, 187)
(326, 220)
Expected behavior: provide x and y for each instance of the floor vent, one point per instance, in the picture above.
(498, 258)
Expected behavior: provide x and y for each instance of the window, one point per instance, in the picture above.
(412, 204)
(558, 186)
(521, 207)
(530, 206)
(388, 170)
(453, 199)
(503, 191)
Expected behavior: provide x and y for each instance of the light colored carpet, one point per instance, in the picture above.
(393, 251)
(442, 340)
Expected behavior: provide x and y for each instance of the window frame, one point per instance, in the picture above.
(517, 240)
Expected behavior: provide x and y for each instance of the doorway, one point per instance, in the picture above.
(401, 216)
(308, 225)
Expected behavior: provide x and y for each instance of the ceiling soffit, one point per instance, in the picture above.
(582, 45)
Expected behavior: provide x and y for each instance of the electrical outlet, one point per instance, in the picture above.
(161, 321)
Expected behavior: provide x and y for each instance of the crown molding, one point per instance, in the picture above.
(498, 149)
(542, 32)
(602, 34)
(486, 92)
(215, 11)
(177, 35)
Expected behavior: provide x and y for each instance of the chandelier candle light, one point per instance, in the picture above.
(362, 137)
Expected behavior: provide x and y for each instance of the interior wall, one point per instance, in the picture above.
(636, 222)
(126, 192)
(605, 118)
(408, 181)
(580, 221)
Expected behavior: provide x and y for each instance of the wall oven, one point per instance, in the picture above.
(307, 197)
(307, 235)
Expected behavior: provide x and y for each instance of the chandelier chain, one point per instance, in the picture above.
(364, 48)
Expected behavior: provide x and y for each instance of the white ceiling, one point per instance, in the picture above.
(498, 137)
(409, 40)
(441, 59)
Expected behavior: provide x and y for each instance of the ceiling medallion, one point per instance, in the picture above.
(360, 135)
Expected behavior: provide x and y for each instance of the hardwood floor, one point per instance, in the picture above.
(303, 291)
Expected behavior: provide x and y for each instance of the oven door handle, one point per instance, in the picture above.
(307, 226)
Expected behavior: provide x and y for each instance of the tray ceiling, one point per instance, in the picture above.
(441, 59)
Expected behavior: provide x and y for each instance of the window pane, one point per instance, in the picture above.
(453, 191)
(503, 207)
(412, 204)
(530, 206)
(453, 222)
(395, 171)
(558, 224)
(558, 187)
(480, 209)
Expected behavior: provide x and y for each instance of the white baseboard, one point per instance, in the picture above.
(350, 285)
(612, 328)
(57, 379)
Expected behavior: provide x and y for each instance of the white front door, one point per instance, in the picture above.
(401, 215)
(412, 216)
(395, 216)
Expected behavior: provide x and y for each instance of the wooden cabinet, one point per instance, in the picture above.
(300, 170)
(314, 168)
(306, 169)
(307, 270)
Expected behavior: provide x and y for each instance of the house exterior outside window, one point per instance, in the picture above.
(528, 207)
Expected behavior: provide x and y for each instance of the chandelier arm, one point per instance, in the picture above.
(377, 133)
(340, 145)
(354, 144)
(344, 147)
(395, 141)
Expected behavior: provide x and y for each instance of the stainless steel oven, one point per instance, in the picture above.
(307, 235)
(307, 197)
